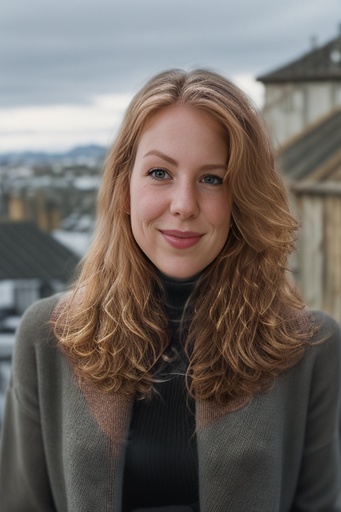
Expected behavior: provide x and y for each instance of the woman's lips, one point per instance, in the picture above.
(181, 239)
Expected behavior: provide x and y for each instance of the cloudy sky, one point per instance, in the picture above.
(69, 67)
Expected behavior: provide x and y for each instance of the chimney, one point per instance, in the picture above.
(313, 42)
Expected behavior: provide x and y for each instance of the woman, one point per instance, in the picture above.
(182, 372)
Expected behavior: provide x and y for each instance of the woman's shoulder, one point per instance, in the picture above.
(327, 328)
(34, 341)
(39, 313)
(35, 327)
(325, 342)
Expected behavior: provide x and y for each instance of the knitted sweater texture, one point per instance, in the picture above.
(63, 441)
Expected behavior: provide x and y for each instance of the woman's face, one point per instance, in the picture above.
(180, 211)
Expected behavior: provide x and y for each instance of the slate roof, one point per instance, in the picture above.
(322, 63)
(28, 253)
(313, 150)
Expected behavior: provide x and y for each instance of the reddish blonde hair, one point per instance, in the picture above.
(245, 323)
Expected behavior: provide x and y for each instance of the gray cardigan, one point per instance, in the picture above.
(62, 446)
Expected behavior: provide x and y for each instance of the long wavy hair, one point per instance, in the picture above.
(245, 323)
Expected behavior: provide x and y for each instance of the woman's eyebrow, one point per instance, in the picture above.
(156, 152)
(160, 154)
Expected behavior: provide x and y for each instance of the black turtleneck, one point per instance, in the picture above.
(161, 466)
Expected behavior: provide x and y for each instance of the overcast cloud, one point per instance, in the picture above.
(72, 52)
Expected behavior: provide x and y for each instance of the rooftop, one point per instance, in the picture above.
(322, 63)
(315, 154)
(28, 253)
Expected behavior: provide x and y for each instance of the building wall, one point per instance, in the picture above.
(35, 207)
(291, 107)
(319, 250)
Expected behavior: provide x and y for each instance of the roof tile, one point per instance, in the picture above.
(28, 253)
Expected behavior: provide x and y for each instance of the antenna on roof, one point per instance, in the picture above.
(313, 42)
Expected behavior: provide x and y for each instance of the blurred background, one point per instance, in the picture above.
(68, 71)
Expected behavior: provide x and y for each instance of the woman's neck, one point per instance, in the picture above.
(177, 294)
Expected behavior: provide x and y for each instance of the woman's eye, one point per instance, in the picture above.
(210, 179)
(158, 174)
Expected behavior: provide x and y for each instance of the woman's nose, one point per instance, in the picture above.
(185, 201)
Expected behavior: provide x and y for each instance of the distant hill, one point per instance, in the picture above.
(39, 157)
